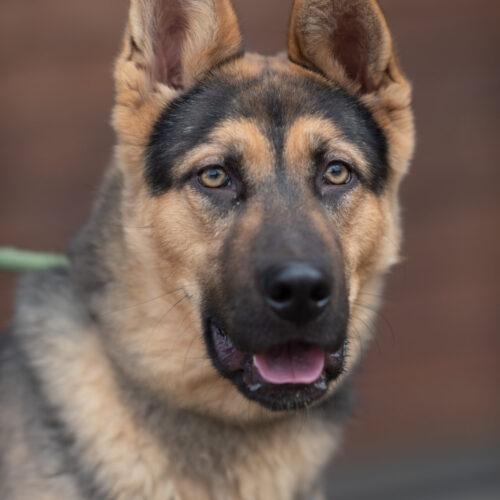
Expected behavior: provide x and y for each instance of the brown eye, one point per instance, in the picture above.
(337, 173)
(214, 177)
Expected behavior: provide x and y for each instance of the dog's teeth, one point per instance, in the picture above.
(321, 385)
(254, 387)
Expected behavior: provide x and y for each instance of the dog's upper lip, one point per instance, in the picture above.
(229, 356)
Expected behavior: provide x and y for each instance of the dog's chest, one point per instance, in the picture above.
(281, 466)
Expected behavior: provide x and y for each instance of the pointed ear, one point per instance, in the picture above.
(175, 42)
(346, 40)
(168, 46)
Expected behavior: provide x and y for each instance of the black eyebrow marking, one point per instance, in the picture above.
(275, 101)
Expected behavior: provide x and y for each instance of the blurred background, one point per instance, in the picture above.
(427, 419)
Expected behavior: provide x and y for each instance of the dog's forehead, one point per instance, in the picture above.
(275, 95)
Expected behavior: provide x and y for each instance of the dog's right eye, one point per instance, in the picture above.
(337, 174)
(214, 177)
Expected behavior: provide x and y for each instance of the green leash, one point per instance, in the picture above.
(12, 259)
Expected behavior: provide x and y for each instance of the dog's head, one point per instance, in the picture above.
(259, 200)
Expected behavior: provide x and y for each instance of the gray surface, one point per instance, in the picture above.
(453, 476)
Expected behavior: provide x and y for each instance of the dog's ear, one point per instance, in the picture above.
(346, 40)
(175, 42)
(167, 47)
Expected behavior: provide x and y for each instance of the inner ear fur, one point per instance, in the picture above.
(175, 42)
(346, 40)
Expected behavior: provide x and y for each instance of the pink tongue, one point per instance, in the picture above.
(291, 364)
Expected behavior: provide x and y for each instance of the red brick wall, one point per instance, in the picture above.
(432, 377)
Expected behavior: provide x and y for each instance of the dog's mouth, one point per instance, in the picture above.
(287, 376)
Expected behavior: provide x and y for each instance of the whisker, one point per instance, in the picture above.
(187, 353)
(145, 302)
(380, 296)
(117, 224)
(172, 351)
(372, 330)
(162, 318)
(382, 316)
(355, 338)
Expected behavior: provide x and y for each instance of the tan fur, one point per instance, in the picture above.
(245, 137)
(304, 136)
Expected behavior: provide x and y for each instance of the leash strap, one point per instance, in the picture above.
(15, 260)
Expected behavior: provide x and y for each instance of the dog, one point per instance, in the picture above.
(201, 342)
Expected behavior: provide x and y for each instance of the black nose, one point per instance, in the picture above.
(296, 291)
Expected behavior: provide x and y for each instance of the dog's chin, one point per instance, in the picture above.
(286, 377)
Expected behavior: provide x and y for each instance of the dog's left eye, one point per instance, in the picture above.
(214, 177)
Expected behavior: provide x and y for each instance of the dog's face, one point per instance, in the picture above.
(268, 187)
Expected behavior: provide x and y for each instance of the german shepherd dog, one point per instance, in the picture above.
(201, 341)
